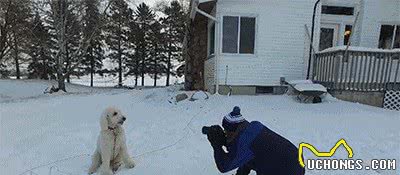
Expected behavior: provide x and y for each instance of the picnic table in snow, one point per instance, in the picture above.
(306, 90)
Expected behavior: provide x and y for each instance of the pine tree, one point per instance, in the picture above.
(117, 33)
(94, 57)
(133, 60)
(19, 14)
(42, 65)
(73, 37)
(5, 13)
(157, 55)
(174, 23)
(145, 17)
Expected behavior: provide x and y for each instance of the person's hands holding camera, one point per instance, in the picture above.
(216, 135)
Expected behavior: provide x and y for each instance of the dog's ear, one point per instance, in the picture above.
(104, 122)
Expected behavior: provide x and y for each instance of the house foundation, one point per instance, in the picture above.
(368, 98)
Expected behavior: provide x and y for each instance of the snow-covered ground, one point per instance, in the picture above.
(41, 132)
(111, 81)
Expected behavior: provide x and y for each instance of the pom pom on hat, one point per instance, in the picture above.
(232, 119)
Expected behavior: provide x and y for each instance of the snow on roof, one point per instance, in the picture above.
(353, 48)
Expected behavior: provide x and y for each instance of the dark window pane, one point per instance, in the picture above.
(230, 34)
(212, 39)
(386, 36)
(347, 33)
(326, 38)
(337, 10)
(397, 38)
(247, 34)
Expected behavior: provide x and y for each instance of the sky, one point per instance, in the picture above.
(149, 2)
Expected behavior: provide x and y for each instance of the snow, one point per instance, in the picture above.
(354, 48)
(294, 82)
(310, 87)
(17, 90)
(59, 132)
(200, 95)
(111, 81)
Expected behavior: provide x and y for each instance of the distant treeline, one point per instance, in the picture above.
(58, 39)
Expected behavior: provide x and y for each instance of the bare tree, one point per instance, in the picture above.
(60, 11)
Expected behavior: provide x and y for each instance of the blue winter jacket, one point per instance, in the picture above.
(261, 149)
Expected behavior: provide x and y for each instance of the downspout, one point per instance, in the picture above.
(312, 39)
(217, 50)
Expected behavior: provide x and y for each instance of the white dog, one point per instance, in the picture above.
(111, 149)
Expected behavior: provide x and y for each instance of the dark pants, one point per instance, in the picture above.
(245, 169)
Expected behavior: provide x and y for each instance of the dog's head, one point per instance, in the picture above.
(111, 118)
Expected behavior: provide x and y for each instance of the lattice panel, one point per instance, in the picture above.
(392, 100)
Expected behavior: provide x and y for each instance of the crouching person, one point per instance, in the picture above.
(251, 146)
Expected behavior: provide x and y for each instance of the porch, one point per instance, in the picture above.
(357, 69)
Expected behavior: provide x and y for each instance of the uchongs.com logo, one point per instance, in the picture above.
(341, 164)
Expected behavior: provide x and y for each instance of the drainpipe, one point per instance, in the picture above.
(217, 54)
(312, 39)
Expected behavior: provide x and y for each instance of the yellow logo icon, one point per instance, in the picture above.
(324, 154)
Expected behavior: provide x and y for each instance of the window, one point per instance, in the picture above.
(326, 38)
(389, 37)
(247, 34)
(212, 39)
(337, 10)
(238, 35)
(347, 33)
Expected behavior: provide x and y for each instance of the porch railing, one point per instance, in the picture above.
(358, 70)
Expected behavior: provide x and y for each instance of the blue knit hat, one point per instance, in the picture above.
(233, 119)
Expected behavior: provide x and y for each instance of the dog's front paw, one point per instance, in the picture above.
(129, 163)
(91, 171)
(105, 171)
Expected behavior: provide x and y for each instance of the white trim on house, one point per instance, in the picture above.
(209, 25)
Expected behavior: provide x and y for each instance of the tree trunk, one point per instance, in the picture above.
(120, 69)
(91, 67)
(119, 58)
(155, 72)
(18, 73)
(168, 63)
(136, 79)
(137, 72)
(62, 46)
(142, 72)
(68, 61)
(61, 81)
(155, 79)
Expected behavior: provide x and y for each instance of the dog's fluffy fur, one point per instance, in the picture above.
(111, 149)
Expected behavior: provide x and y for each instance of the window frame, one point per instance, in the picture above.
(396, 27)
(239, 15)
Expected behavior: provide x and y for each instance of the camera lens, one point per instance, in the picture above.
(205, 129)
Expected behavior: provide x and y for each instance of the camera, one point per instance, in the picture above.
(205, 130)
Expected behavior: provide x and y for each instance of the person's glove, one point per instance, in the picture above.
(216, 136)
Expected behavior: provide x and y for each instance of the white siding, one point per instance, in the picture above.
(281, 41)
(377, 13)
(280, 38)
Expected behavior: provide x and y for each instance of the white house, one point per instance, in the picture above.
(252, 45)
